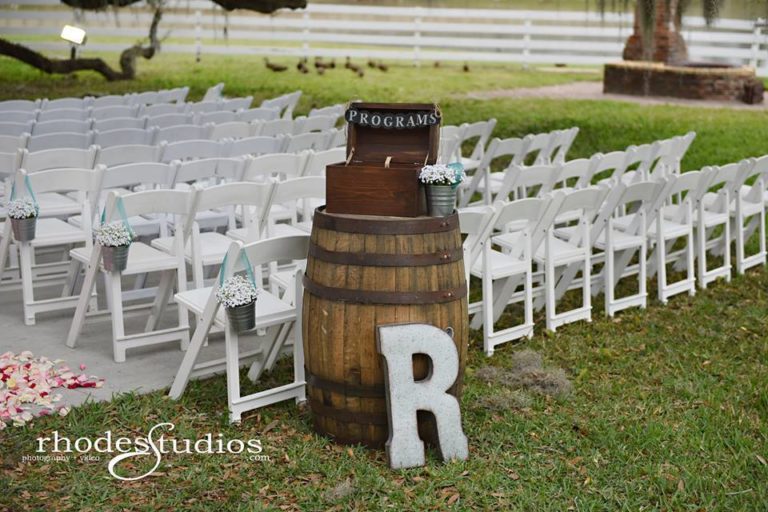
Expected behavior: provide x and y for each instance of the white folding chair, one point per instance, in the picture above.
(120, 123)
(19, 105)
(217, 117)
(146, 98)
(70, 126)
(142, 259)
(52, 232)
(231, 130)
(563, 144)
(18, 116)
(127, 136)
(282, 166)
(13, 143)
(317, 161)
(573, 171)
(163, 109)
(64, 114)
(203, 107)
(481, 131)
(258, 114)
(271, 313)
(254, 146)
(166, 121)
(115, 112)
(750, 207)
(184, 132)
(111, 100)
(63, 140)
(337, 138)
(176, 95)
(66, 103)
(503, 271)
(285, 104)
(607, 168)
(533, 181)
(16, 129)
(483, 180)
(448, 152)
(332, 110)
(317, 141)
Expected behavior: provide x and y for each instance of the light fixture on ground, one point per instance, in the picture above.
(75, 36)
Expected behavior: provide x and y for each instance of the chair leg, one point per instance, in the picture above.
(85, 299)
(161, 299)
(642, 272)
(68, 290)
(27, 287)
(661, 270)
(115, 290)
(549, 291)
(233, 371)
(691, 275)
(608, 281)
(5, 247)
(701, 250)
(739, 227)
(529, 299)
(487, 314)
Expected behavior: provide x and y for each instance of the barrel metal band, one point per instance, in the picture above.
(383, 297)
(382, 226)
(365, 259)
(350, 390)
(345, 416)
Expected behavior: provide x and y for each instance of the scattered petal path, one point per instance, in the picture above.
(27, 385)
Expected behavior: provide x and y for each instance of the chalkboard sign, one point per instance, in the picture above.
(392, 120)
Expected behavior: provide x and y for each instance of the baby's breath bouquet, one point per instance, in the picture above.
(238, 295)
(115, 234)
(442, 174)
(22, 208)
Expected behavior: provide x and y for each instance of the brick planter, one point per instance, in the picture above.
(690, 82)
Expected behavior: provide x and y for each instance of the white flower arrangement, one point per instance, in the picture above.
(115, 234)
(442, 174)
(22, 208)
(236, 291)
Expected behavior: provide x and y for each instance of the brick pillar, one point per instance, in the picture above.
(668, 45)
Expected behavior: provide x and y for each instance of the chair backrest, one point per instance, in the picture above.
(60, 140)
(254, 146)
(337, 138)
(157, 174)
(177, 95)
(640, 198)
(332, 110)
(476, 224)
(480, 130)
(309, 187)
(275, 127)
(280, 165)
(640, 160)
(285, 103)
(317, 141)
(606, 166)
(10, 162)
(283, 248)
(111, 100)
(183, 132)
(563, 143)
(115, 111)
(63, 114)
(449, 150)
(61, 126)
(16, 129)
(120, 123)
(214, 92)
(314, 124)
(218, 117)
(318, 160)
(235, 104)
(165, 121)
(572, 171)
(12, 143)
(146, 98)
(255, 198)
(529, 181)
(689, 188)
(536, 213)
(129, 153)
(203, 106)
(538, 150)
(125, 136)
(66, 103)
(729, 179)
(19, 105)
(18, 116)
(231, 130)
(179, 203)
(258, 114)
(163, 109)
(63, 180)
(195, 170)
(188, 149)
(35, 161)
(587, 202)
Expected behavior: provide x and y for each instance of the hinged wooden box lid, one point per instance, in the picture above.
(387, 145)
(404, 133)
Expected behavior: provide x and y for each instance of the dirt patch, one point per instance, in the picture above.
(340, 491)
(527, 374)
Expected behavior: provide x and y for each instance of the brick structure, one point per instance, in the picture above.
(698, 83)
(668, 45)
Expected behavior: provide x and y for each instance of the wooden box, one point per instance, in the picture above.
(387, 145)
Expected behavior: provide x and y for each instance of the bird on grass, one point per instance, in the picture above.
(466, 68)
(371, 64)
(437, 64)
(360, 73)
(383, 67)
(274, 67)
(302, 66)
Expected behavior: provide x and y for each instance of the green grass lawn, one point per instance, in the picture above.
(668, 408)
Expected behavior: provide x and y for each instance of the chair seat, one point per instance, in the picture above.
(621, 240)
(269, 309)
(502, 265)
(141, 258)
(213, 247)
(562, 252)
(283, 229)
(671, 229)
(140, 225)
(212, 219)
(50, 231)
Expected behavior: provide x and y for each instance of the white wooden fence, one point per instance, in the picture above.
(404, 33)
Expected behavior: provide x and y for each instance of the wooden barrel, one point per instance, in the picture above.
(366, 271)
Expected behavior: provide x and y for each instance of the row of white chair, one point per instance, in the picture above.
(567, 231)
(177, 95)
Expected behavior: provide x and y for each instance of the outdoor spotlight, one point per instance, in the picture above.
(75, 36)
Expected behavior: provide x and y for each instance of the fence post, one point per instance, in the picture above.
(305, 34)
(756, 36)
(527, 43)
(198, 36)
(417, 37)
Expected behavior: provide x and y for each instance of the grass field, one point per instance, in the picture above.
(668, 406)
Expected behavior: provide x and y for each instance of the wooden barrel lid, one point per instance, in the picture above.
(380, 225)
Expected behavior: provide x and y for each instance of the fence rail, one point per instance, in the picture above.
(409, 33)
